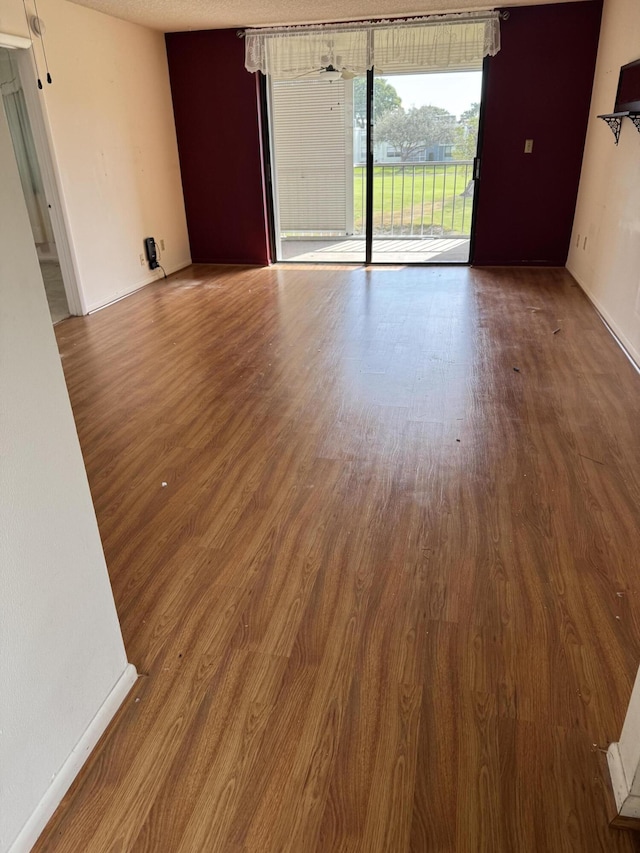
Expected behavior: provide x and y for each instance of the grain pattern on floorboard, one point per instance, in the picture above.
(389, 597)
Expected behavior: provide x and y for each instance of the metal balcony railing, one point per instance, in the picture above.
(427, 199)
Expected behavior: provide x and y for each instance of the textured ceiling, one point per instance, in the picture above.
(174, 15)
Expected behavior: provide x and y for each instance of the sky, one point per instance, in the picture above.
(454, 92)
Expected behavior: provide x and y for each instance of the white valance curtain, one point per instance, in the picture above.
(447, 42)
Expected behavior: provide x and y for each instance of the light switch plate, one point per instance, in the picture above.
(528, 146)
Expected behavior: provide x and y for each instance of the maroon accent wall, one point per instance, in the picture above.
(216, 108)
(537, 87)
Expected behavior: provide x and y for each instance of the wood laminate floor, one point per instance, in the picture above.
(388, 599)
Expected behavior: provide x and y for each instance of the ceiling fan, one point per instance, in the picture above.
(329, 72)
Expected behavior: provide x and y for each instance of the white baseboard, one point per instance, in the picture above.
(623, 342)
(30, 832)
(628, 804)
(616, 771)
(138, 285)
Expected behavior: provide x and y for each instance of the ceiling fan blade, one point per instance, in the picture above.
(308, 74)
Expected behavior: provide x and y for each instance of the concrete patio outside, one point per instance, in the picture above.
(403, 250)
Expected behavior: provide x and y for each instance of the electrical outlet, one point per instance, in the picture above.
(162, 245)
(142, 261)
(528, 146)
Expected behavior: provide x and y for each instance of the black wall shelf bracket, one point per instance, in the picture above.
(635, 118)
(614, 120)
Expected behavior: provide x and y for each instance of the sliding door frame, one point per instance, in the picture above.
(477, 164)
(267, 167)
(368, 240)
(267, 148)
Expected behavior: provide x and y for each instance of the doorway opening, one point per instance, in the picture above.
(419, 167)
(38, 186)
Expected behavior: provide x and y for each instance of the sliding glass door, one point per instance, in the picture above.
(317, 168)
(425, 140)
(375, 167)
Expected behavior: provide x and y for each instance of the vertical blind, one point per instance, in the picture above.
(311, 122)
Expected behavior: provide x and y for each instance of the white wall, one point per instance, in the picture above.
(12, 18)
(61, 652)
(111, 122)
(608, 210)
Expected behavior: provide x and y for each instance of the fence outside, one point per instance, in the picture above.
(428, 199)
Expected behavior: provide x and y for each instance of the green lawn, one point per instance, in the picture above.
(431, 193)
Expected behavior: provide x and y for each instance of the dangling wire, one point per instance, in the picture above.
(41, 34)
(33, 53)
